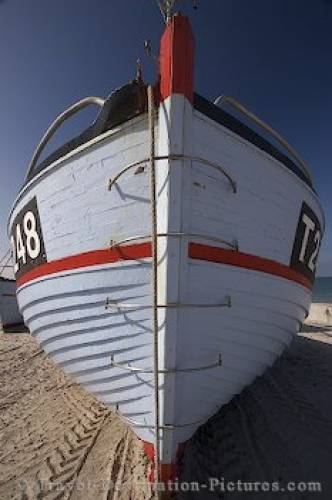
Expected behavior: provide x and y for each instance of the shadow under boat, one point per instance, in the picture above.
(277, 430)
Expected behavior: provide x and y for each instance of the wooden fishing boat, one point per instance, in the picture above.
(9, 313)
(165, 257)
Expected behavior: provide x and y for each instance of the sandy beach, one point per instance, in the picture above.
(278, 429)
(57, 441)
(54, 432)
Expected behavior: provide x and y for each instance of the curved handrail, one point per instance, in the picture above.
(202, 160)
(234, 244)
(249, 114)
(175, 157)
(72, 110)
(166, 427)
(136, 369)
(114, 304)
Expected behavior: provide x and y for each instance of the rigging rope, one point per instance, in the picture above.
(151, 111)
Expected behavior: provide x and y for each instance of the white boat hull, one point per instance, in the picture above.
(230, 296)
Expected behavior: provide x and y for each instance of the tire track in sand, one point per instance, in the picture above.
(56, 440)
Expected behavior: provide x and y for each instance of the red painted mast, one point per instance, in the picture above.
(177, 59)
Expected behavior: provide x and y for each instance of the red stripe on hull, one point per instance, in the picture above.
(246, 261)
(88, 259)
(143, 250)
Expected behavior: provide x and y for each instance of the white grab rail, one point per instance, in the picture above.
(249, 114)
(72, 110)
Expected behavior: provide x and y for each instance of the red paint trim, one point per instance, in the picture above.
(247, 261)
(95, 258)
(168, 472)
(177, 59)
(143, 250)
(148, 449)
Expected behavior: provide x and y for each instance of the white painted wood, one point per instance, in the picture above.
(66, 311)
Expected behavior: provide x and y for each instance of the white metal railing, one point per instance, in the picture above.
(115, 304)
(258, 121)
(72, 110)
(231, 244)
(167, 427)
(174, 157)
(166, 371)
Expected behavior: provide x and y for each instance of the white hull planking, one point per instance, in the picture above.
(66, 310)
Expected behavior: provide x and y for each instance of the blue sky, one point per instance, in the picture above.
(273, 55)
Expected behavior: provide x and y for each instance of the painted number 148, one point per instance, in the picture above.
(25, 241)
